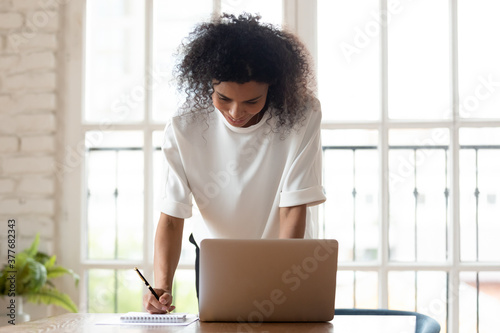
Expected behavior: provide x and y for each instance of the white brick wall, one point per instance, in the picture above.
(29, 47)
(9, 144)
(5, 103)
(32, 144)
(32, 80)
(11, 20)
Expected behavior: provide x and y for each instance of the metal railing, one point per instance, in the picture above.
(445, 265)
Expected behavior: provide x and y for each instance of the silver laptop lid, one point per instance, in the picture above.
(267, 280)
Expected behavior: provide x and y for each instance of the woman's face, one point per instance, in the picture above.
(240, 103)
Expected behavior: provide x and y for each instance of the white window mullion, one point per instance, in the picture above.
(216, 8)
(148, 144)
(305, 26)
(112, 265)
(369, 125)
(290, 15)
(454, 230)
(475, 123)
(70, 174)
(148, 60)
(384, 164)
(148, 203)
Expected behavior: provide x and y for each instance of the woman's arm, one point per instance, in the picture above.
(168, 244)
(293, 221)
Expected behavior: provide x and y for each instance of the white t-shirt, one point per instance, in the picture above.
(240, 177)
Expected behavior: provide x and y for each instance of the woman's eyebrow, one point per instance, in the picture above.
(250, 100)
(222, 96)
(254, 99)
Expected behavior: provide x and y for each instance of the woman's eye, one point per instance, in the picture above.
(254, 102)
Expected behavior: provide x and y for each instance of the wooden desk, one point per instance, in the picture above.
(76, 323)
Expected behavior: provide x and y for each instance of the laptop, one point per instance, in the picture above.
(267, 280)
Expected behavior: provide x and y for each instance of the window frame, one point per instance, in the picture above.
(300, 17)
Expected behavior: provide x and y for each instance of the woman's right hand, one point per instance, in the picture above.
(164, 305)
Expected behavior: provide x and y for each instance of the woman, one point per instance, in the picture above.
(245, 144)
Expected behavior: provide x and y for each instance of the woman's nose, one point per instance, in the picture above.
(236, 111)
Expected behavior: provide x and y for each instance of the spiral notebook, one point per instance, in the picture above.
(142, 317)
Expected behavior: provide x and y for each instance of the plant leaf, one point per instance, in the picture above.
(32, 277)
(21, 259)
(52, 296)
(59, 271)
(49, 263)
(34, 246)
(43, 258)
(4, 283)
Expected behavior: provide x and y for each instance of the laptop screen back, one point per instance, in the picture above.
(267, 280)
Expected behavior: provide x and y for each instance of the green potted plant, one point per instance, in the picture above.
(33, 276)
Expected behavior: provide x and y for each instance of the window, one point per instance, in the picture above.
(410, 99)
(411, 143)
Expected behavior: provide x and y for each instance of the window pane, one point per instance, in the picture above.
(468, 205)
(402, 290)
(351, 213)
(101, 205)
(366, 290)
(348, 59)
(418, 187)
(480, 136)
(356, 289)
(113, 291)
(114, 61)
(419, 61)
(479, 51)
(432, 293)
(344, 292)
(489, 301)
(479, 191)
(115, 198)
(130, 198)
(184, 292)
(424, 292)
(109, 139)
(479, 292)
(270, 10)
(172, 21)
(468, 302)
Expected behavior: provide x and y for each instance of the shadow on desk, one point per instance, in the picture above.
(265, 327)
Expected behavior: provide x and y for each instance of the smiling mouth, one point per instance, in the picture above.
(237, 121)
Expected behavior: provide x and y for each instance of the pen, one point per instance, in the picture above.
(147, 284)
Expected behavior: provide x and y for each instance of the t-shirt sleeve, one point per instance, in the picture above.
(303, 183)
(176, 197)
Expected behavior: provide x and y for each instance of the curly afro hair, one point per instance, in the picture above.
(242, 49)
